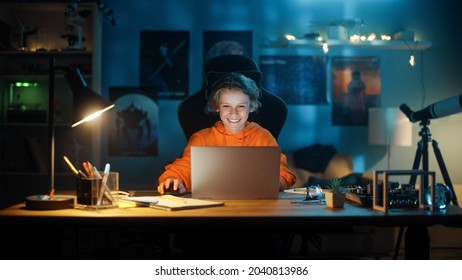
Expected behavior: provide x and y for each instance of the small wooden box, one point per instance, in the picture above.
(381, 189)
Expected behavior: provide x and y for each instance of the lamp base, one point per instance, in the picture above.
(44, 202)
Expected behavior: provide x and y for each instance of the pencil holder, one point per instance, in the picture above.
(93, 194)
(87, 190)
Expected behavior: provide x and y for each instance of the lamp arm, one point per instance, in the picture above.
(51, 124)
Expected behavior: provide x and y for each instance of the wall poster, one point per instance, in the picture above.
(296, 79)
(355, 88)
(134, 122)
(218, 43)
(164, 62)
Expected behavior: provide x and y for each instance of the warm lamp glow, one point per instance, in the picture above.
(92, 116)
(87, 103)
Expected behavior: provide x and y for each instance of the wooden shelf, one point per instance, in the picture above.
(16, 63)
(46, 53)
(341, 44)
(25, 125)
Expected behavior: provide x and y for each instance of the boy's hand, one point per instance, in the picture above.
(171, 185)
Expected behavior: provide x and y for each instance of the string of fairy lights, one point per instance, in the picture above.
(356, 38)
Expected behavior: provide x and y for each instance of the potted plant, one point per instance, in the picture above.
(335, 195)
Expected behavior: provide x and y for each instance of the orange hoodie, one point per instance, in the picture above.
(217, 135)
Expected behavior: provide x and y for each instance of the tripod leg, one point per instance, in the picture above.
(444, 171)
(425, 162)
(415, 166)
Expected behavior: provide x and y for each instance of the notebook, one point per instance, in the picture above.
(244, 173)
(171, 202)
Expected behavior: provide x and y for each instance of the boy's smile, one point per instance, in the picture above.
(234, 109)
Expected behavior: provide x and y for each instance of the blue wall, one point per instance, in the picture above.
(435, 77)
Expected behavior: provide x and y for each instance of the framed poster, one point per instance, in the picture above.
(164, 62)
(296, 79)
(134, 122)
(218, 43)
(355, 88)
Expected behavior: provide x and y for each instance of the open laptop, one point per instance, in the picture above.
(245, 173)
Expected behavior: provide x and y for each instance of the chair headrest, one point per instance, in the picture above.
(230, 63)
(212, 76)
(223, 64)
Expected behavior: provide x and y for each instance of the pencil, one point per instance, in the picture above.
(71, 166)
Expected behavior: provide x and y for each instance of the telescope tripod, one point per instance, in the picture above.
(417, 237)
(422, 155)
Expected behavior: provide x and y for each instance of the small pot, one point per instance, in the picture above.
(335, 200)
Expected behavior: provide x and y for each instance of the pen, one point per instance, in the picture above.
(71, 166)
(96, 173)
(87, 169)
(104, 183)
(90, 167)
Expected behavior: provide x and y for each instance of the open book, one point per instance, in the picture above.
(171, 202)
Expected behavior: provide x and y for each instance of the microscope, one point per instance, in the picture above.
(74, 22)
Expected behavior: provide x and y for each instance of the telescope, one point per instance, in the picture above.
(439, 109)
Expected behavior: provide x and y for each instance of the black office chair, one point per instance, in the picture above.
(193, 117)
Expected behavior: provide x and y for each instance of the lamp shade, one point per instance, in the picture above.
(389, 126)
(87, 104)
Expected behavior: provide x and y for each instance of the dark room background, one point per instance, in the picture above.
(434, 77)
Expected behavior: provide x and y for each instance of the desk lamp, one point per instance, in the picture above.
(390, 127)
(87, 105)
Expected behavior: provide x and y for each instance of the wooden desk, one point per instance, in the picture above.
(253, 213)
(270, 215)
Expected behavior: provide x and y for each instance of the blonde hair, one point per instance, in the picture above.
(234, 81)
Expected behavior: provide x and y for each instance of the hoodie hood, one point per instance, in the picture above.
(237, 139)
